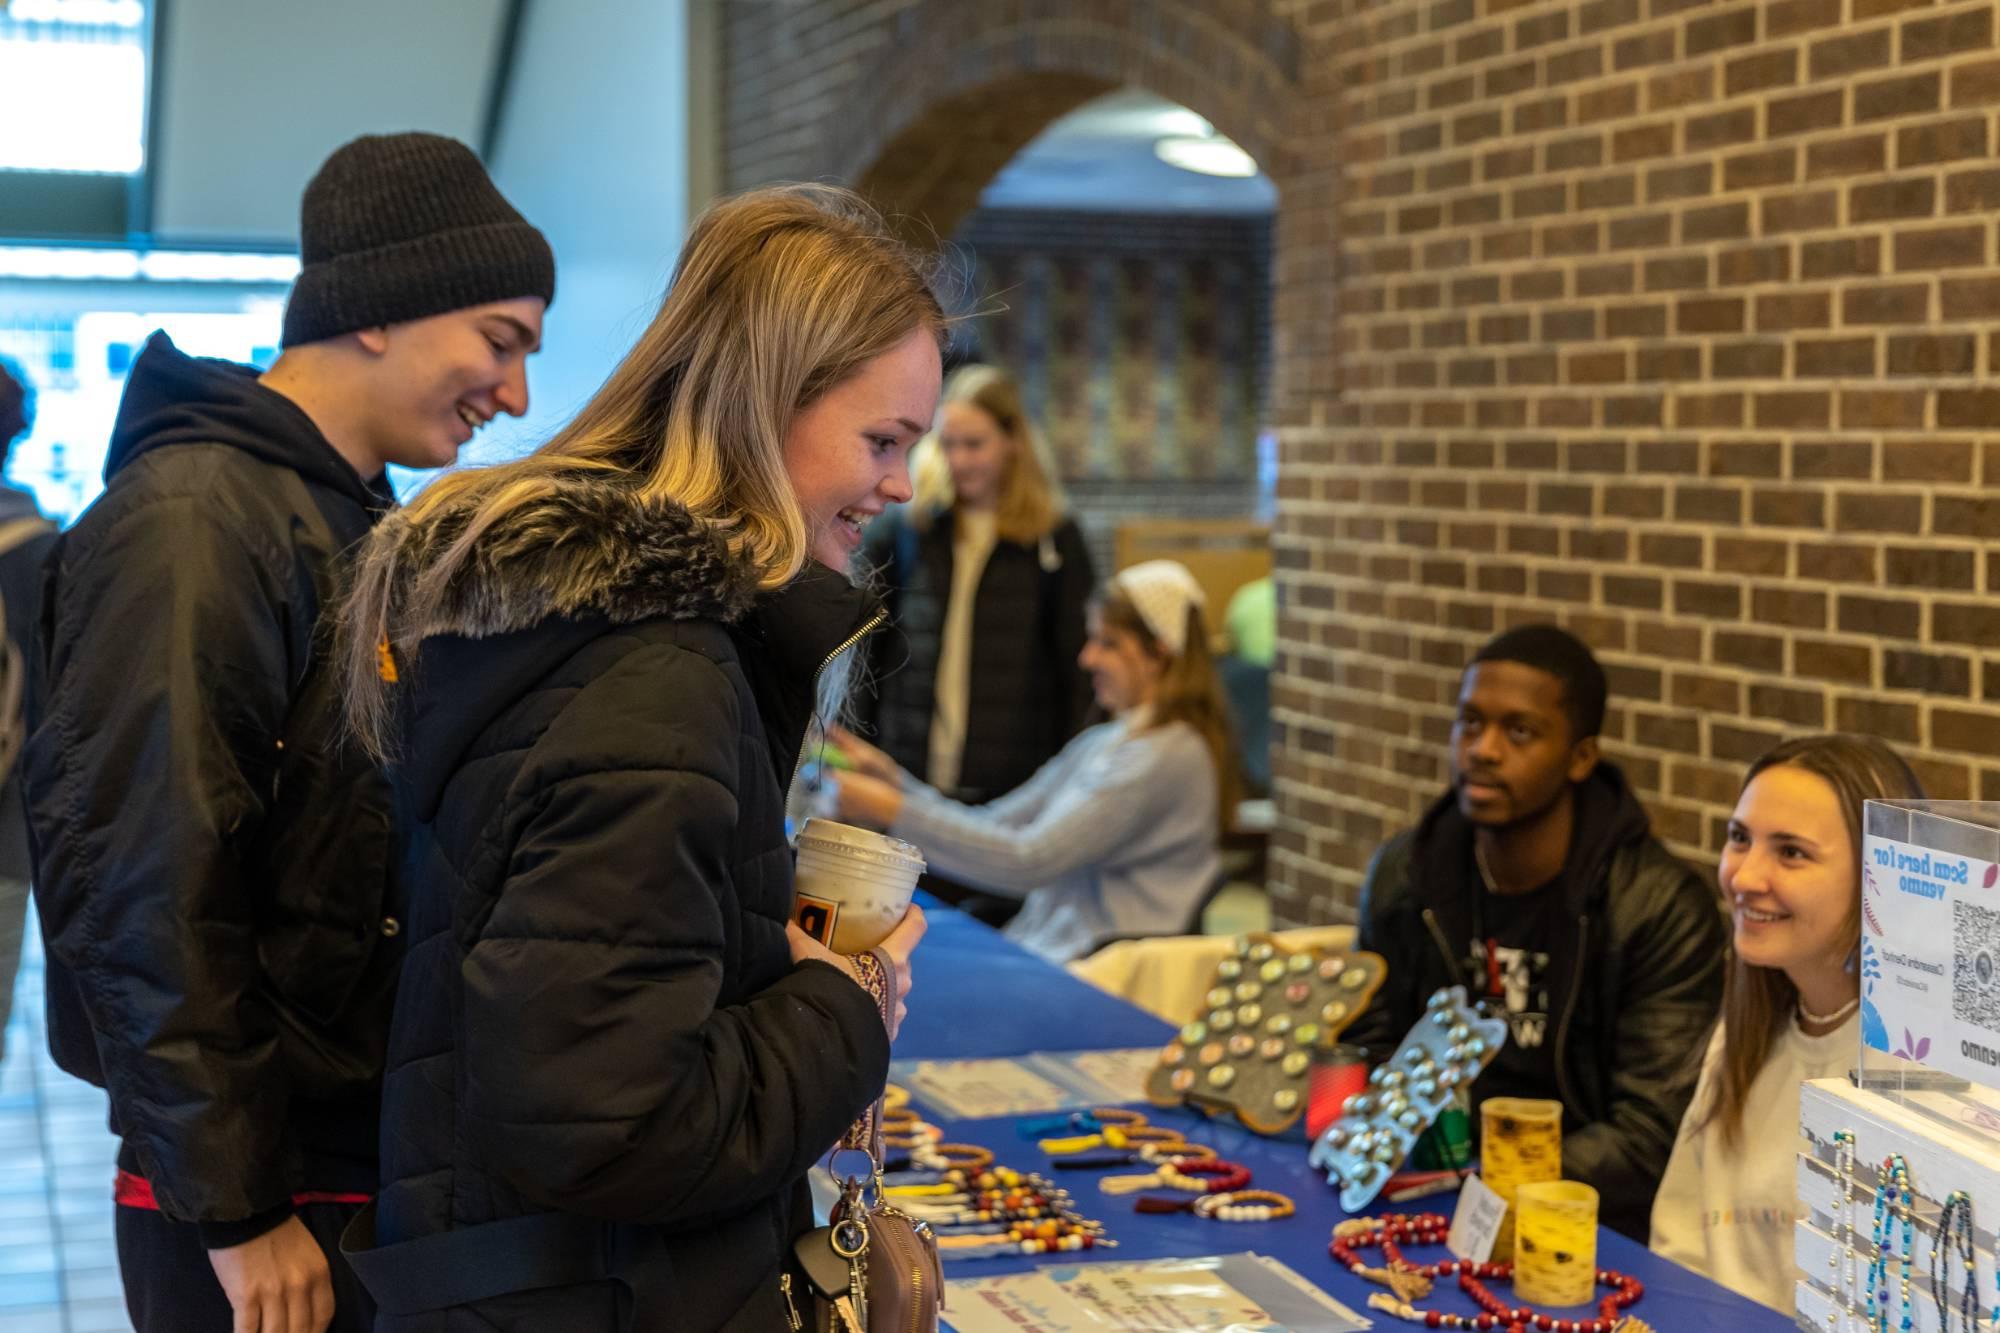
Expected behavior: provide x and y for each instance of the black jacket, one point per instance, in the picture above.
(214, 869)
(1026, 695)
(599, 1019)
(1633, 992)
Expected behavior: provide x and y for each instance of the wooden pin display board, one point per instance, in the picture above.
(1268, 1012)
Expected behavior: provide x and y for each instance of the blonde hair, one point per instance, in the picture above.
(1189, 691)
(779, 295)
(1031, 502)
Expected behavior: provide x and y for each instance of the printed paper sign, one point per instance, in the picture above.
(1930, 958)
(1235, 1293)
(1475, 1226)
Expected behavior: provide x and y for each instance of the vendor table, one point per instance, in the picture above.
(978, 996)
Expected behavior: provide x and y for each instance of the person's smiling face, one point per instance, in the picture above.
(848, 452)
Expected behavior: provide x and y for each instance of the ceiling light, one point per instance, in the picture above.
(1212, 155)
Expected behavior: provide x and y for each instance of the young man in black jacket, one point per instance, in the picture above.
(1536, 883)
(216, 874)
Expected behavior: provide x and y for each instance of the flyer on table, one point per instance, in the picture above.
(1930, 958)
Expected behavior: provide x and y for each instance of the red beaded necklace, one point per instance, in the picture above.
(1413, 1281)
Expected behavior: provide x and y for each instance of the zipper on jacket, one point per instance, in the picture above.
(805, 746)
(1562, 1028)
(1451, 967)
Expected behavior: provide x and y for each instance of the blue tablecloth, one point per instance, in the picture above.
(978, 996)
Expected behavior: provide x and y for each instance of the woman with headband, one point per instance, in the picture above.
(1117, 834)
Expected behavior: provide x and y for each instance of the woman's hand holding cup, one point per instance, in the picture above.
(897, 948)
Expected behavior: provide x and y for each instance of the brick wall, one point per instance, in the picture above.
(1676, 322)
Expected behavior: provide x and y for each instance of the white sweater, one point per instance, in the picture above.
(1728, 1213)
(1116, 835)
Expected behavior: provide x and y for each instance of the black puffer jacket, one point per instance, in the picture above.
(214, 871)
(1632, 994)
(1026, 695)
(599, 1028)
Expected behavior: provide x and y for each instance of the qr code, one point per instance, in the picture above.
(1975, 970)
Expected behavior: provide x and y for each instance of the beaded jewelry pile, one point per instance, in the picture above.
(1408, 1282)
(977, 1208)
(1191, 1168)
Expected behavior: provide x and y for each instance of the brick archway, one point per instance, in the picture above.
(944, 115)
(919, 103)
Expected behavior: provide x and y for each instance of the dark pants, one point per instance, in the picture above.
(170, 1287)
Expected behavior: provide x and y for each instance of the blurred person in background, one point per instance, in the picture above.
(1117, 835)
(985, 577)
(215, 865)
(1250, 626)
(25, 538)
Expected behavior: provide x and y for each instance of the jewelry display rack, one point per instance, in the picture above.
(1941, 1159)
(1921, 1094)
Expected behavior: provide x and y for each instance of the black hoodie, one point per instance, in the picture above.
(213, 867)
(1634, 983)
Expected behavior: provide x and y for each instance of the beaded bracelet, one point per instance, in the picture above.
(964, 1156)
(1119, 1116)
(1245, 1206)
(920, 1138)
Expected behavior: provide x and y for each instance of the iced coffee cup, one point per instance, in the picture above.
(852, 885)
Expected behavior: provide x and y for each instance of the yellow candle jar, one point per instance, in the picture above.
(1520, 1143)
(1555, 1244)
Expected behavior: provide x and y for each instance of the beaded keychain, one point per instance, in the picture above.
(1196, 1177)
(1113, 1136)
(1431, 1229)
(1146, 1152)
(1047, 1237)
(1954, 1232)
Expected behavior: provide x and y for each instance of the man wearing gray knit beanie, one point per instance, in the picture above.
(215, 867)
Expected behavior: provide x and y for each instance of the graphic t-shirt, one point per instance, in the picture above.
(1507, 965)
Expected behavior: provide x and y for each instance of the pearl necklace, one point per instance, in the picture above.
(1827, 1020)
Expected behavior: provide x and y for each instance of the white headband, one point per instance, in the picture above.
(1161, 591)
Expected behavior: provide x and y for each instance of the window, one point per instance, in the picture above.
(73, 85)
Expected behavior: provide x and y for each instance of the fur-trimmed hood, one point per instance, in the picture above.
(589, 545)
(559, 573)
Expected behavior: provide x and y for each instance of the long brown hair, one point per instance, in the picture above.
(1030, 503)
(1189, 691)
(1757, 1002)
(780, 294)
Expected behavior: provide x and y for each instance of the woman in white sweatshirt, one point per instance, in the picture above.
(1117, 834)
(1791, 875)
